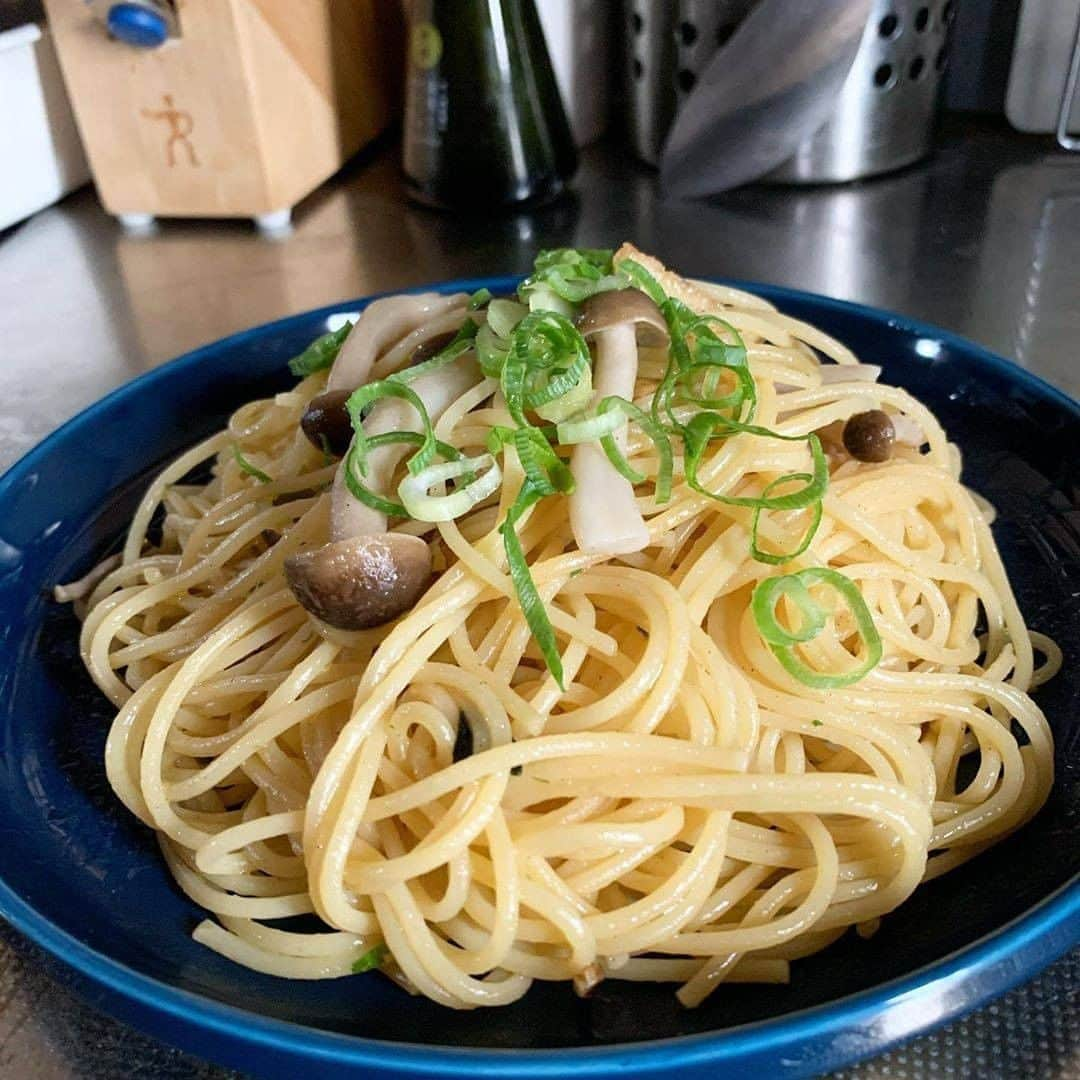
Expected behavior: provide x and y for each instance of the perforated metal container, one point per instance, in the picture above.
(650, 74)
(883, 117)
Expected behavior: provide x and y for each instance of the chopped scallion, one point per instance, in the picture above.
(360, 400)
(371, 960)
(590, 428)
(247, 467)
(571, 275)
(352, 473)
(321, 353)
(783, 642)
(422, 506)
(461, 343)
(655, 432)
(816, 509)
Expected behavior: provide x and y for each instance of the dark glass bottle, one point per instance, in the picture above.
(484, 122)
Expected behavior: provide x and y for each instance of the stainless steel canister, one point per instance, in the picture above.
(883, 117)
(650, 72)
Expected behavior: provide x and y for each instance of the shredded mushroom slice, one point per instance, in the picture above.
(604, 514)
(909, 432)
(842, 373)
(381, 325)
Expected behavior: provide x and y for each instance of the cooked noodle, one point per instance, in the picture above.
(686, 811)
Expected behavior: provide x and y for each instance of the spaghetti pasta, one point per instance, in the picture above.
(668, 798)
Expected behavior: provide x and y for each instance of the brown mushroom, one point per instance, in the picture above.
(365, 575)
(326, 422)
(427, 349)
(869, 436)
(361, 582)
(605, 311)
(604, 515)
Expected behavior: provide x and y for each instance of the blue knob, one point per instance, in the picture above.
(137, 25)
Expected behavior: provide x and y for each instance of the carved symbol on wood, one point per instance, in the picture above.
(181, 126)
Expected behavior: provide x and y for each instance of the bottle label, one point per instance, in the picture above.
(427, 101)
(425, 45)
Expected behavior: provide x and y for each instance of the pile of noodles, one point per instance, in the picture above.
(683, 810)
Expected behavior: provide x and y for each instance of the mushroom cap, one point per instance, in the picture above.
(604, 310)
(431, 347)
(869, 436)
(361, 582)
(326, 422)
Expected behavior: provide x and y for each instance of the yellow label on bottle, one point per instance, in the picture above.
(425, 45)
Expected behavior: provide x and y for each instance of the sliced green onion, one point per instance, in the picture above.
(696, 435)
(655, 432)
(370, 498)
(744, 390)
(547, 359)
(641, 277)
(783, 642)
(712, 349)
(544, 470)
(545, 474)
(421, 506)
(763, 606)
(573, 401)
(544, 387)
(371, 960)
(491, 351)
(590, 428)
(532, 607)
(497, 437)
(504, 315)
(247, 467)
(321, 353)
(600, 258)
(479, 299)
(366, 396)
(544, 298)
(816, 509)
(461, 343)
(570, 275)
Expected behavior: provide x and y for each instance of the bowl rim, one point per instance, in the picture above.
(984, 969)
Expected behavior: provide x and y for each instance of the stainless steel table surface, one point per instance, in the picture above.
(983, 238)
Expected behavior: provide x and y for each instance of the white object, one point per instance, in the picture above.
(140, 224)
(274, 222)
(40, 148)
(578, 35)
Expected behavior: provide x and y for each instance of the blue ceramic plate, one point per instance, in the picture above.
(83, 879)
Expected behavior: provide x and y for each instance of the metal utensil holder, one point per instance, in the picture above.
(884, 114)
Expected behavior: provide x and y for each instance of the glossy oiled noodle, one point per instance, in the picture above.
(685, 811)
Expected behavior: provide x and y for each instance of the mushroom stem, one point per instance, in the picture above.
(604, 514)
(382, 324)
(438, 391)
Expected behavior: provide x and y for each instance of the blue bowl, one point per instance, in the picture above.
(84, 880)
